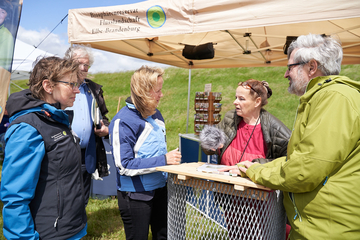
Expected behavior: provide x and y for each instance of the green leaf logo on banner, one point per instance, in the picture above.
(156, 16)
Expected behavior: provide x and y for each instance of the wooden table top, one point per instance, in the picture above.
(188, 170)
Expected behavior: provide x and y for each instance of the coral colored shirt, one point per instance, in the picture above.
(255, 149)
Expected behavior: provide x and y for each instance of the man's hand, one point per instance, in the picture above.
(238, 169)
(103, 131)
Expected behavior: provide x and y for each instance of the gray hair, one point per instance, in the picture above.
(80, 51)
(325, 50)
(211, 137)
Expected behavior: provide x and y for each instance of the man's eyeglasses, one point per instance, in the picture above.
(248, 86)
(71, 84)
(294, 64)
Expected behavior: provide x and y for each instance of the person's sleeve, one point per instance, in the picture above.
(329, 133)
(24, 152)
(103, 108)
(123, 140)
(279, 135)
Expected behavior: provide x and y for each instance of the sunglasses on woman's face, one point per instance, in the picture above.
(71, 84)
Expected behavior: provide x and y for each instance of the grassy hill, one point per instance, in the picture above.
(173, 105)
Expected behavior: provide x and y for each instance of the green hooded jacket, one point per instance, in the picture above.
(320, 176)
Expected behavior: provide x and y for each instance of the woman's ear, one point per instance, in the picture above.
(258, 102)
(48, 88)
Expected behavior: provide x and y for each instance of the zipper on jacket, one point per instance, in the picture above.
(291, 195)
(58, 207)
(58, 204)
(325, 181)
(55, 224)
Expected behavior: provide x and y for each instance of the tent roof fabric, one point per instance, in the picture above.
(245, 33)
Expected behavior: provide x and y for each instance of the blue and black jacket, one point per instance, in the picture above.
(41, 186)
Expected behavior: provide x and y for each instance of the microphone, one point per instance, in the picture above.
(211, 138)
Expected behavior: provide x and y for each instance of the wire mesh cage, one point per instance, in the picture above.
(202, 209)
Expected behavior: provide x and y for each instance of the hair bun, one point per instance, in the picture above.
(268, 89)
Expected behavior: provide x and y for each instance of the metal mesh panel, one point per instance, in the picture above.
(203, 209)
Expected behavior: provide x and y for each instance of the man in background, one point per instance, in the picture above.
(89, 120)
(320, 174)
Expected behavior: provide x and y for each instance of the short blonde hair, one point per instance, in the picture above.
(143, 81)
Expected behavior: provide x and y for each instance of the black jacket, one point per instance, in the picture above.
(98, 94)
(58, 205)
(101, 161)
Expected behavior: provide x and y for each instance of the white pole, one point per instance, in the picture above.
(188, 103)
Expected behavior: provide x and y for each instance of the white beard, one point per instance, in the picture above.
(298, 86)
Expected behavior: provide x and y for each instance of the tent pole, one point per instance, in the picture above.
(188, 102)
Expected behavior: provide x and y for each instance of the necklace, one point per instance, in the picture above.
(249, 138)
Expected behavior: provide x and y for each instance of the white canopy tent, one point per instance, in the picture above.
(24, 57)
(244, 33)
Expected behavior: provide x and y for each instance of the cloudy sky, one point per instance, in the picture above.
(40, 17)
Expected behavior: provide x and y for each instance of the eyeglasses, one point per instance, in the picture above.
(71, 84)
(248, 86)
(294, 64)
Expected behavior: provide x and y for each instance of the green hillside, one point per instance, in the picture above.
(173, 105)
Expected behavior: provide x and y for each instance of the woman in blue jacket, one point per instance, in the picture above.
(138, 138)
(41, 184)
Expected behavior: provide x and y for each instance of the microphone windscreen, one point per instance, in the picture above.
(211, 138)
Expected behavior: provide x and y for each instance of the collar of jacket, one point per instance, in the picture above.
(128, 100)
(131, 106)
(318, 83)
(94, 87)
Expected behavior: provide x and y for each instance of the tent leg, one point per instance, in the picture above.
(188, 102)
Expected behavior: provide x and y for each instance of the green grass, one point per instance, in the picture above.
(104, 221)
(103, 217)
